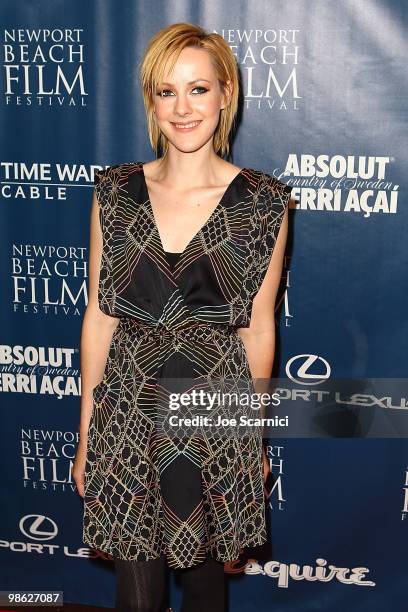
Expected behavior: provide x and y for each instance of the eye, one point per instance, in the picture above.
(203, 89)
(163, 92)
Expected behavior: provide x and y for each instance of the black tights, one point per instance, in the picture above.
(141, 586)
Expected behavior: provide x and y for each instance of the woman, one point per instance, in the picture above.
(185, 260)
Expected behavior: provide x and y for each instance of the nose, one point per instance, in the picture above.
(182, 105)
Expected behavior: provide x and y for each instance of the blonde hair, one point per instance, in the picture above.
(166, 45)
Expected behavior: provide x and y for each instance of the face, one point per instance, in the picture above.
(190, 96)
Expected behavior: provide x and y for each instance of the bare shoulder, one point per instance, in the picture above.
(150, 168)
(230, 171)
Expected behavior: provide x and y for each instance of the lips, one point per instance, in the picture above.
(186, 126)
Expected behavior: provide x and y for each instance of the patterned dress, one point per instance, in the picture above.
(147, 494)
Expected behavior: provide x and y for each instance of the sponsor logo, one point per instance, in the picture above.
(38, 527)
(341, 183)
(44, 181)
(269, 61)
(43, 67)
(40, 530)
(39, 369)
(49, 279)
(308, 369)
(47, 457)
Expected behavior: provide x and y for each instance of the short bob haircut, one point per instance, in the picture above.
(166, 45)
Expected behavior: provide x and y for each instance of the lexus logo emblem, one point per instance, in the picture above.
(298, 369)
(38, 527)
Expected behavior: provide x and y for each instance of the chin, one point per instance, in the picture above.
(188, 148)
(188, 145)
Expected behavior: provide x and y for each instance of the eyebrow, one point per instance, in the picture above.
(189, 83)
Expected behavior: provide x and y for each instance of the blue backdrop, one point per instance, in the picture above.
(324, 108)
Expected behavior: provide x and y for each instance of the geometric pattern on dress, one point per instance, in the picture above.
(148, 494)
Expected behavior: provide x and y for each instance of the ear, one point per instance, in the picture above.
(227, 93)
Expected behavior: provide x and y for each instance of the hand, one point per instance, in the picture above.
(78, 468)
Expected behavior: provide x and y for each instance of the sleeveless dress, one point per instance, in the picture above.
(146, 494)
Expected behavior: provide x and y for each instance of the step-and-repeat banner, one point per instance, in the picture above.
(324, 108)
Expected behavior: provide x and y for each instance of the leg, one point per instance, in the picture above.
(203, 587)
(140, 585)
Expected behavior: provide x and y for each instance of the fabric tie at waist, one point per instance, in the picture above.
(163, 332)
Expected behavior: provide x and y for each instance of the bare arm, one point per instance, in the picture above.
(97, 328)
(259, 337)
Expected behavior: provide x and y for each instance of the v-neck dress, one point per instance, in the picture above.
(172, 257)
(147, 492)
